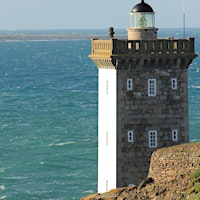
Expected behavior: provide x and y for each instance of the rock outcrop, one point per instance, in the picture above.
(171, 176)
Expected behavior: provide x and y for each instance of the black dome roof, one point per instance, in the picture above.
(142, 7)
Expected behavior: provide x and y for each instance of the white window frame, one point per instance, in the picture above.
(174, 83)
(130, 136)
(153, 141)
(129, 84)
(151, 87)
(175, 135)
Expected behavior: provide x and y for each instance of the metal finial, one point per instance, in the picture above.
(142, 1)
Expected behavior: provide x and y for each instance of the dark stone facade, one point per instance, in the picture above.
(136, 111)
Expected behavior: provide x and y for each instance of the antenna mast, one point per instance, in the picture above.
(183, 18)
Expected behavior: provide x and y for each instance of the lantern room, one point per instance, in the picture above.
(142, 22)
(142, 16)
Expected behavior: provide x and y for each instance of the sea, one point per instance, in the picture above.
(48, 114)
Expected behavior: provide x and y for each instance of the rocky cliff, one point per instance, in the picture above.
(174, 174)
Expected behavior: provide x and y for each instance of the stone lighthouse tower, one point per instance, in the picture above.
(143, 98)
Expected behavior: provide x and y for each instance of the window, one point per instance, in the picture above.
(152, 87)
(174, 83)
(130, 136)
(106, 138)
(107, 87)
(174, 135)
(106, 185)
(129, 84)
(152, 139)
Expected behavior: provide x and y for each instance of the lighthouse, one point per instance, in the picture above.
(142, 98)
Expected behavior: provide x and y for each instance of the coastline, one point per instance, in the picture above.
(174, 173)
(49, 37)
(79, 34)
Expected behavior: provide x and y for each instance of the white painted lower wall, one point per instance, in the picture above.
(107, 140)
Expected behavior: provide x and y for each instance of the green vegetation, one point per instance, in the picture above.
(194, 186)
(195, 197)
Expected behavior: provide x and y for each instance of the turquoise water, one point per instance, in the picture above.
(48, 117)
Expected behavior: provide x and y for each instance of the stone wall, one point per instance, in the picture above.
(172, 163)
(140, 113)
(169, 176)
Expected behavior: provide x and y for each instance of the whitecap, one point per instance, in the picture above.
(196, 86)
(1, 170)
(4, 125)
(193, 140)
(2, 187)
(15, 177)
(62, 144)
(70, 175)
(88, 191)
(3, 197)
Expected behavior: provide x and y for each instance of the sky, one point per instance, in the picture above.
(92, 14)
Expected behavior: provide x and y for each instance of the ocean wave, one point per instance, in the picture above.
(196, 86)
(62, 144)
(4, 125)
(15, 178)
(23, 125)
(89, 191)
(3, 197)
(1, 170)
(2, 187)
(194, 140)
(70, 175)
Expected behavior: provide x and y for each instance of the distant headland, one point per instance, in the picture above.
(49, 37)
